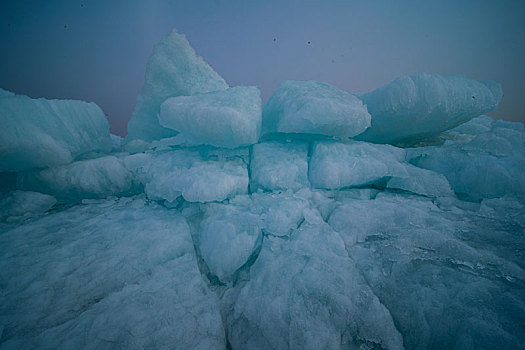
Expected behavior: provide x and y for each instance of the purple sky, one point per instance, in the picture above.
(97, 50)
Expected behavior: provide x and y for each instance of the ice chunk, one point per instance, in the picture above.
(279, 166)
(414, 107)
(314, 108)
(111, 274)
(116, 142)
(227, 238)
(38, 133)
(279, 213)
(229, 118)
(21, 204)
(487, 165)
(335, 165)
(171, 174)
(309, 296)
(173, 69)
(93, 178)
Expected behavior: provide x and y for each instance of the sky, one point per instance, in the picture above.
(97, 50)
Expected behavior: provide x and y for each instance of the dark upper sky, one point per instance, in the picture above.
(97, 50)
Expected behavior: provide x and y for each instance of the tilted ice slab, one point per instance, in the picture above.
(168, 175)
(229, 118)
(488, 164)
(414, 107)
(279, 166)
(19, 205)
(38, 133)
(110, 274)
(306, 293)
(421, 181)
(173, 69)
(93, 178)
(447, 277)
(314, 108)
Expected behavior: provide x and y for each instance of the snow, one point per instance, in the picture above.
(173, 69)
(314, 108)
(38, 133)
(229, 118)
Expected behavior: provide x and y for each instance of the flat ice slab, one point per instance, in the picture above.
(230, 118)
(310, 107)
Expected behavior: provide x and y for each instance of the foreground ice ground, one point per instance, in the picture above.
(219, 223)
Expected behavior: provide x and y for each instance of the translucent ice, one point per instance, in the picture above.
(335, 165)
(110, 274)
(93, 178)
(229, 118)
(279, 166)
(227, 237)
(174, 69)
(169, 175)
(422, 181)
(485, 165)
(423, 105)
(37, 133)
(314, 108)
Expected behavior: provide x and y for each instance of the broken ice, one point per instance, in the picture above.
(322, 220)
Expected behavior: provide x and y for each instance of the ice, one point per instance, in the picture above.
(306, 293)
(105, 275)
(314, 108)
(279, 166)
(229, 118)
(227, 238)
(38, 133)
(418, 106)
(485, 165)
(185, 173)
(422, 181)
(18, 205)
(336, 165)
(93, 178)
(173, 69)
(436, 271)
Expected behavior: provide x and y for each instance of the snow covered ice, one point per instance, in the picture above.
(322, 219)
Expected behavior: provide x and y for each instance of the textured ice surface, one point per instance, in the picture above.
(334, 165)
(37, 133)
(169, 175)
(279, 166)
(229, 118)
(423, 105)
(307, 293)
(422, 181)
(111, 274)
(18, 205)
(451, 279)
(484, 165)
(314, 108)
(173, 69)
(93, 178)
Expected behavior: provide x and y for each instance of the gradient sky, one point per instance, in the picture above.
(97, 50)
